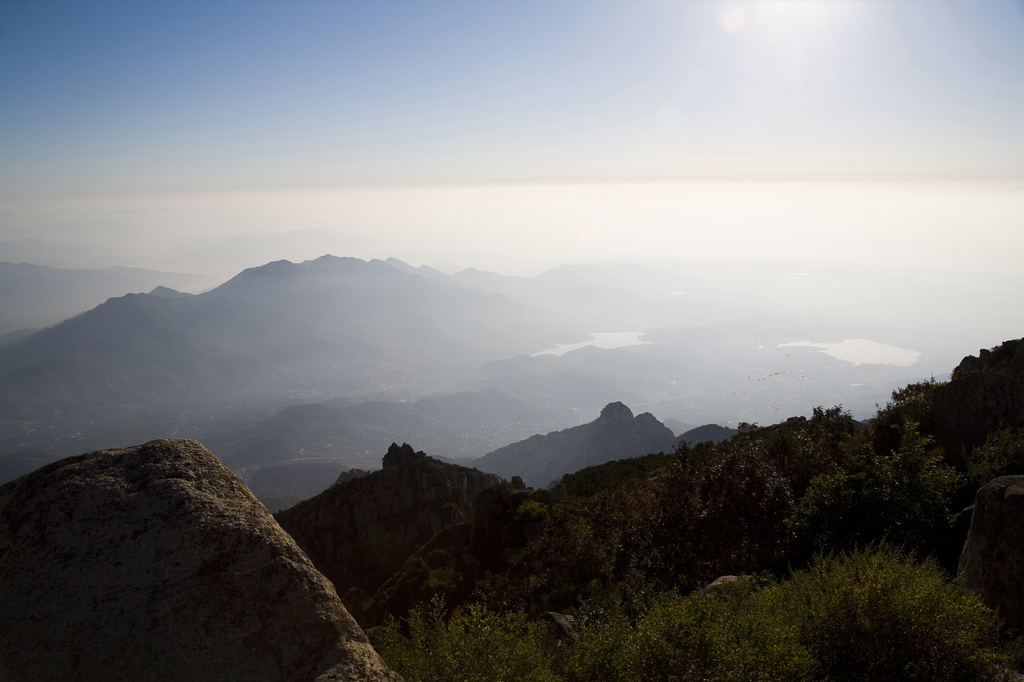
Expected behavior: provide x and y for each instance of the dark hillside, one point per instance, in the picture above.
(615, 434)
(359, 532)
(708, 432)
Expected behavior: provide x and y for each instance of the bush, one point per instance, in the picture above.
(473, 645)
(902, 497)
(872, 615)
(724, 510)
(590, 543)
(1001, 455)
(877, 615)
(803, 448)
(731, 637)
(531, 512)
(912, 403)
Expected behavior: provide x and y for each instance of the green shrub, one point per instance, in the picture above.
(872, 615)
(912, 403)
(730, 637)
(472, 645)
(1001, 455)
(590, 543)
(801, 449)
(532, 511)
(902, 497)
(724, 510)
(877, 615)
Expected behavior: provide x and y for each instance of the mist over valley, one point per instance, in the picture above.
(313, 365)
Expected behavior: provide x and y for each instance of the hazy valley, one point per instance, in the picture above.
(318, 363)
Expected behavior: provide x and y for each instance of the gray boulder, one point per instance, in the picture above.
(562, 627)
(720, 582)
(992, 562)
(156, 563)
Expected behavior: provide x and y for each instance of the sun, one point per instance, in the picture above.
(734, 20)
(792, 18)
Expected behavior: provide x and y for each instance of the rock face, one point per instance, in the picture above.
(359, 532)
(616, 434)
(400, 455)
(156, 563)
(986, 393)
(563, 627)
(992, 563)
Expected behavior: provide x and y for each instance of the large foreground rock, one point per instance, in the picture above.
(992, 563)
(156, 563)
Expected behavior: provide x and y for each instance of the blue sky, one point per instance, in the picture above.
(113, 97)
(588, 127)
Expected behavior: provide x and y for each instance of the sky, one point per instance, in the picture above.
(882, 131)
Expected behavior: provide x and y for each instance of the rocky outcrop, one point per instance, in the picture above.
(720, 582)
(400, 455)
(615, 434)
(358, 533)
(562, 627)
(992, 562)
(986, 393)
(351, 475)
(156, 563)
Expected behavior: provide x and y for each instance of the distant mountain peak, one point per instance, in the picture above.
(399, 455)
(167, 292)
(616, 412)
(615, 434)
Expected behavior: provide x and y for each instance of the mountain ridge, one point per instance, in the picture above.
(269, 329)
(615, 434)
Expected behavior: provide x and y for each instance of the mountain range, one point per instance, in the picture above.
(333, 325)
(319, 362)
(35, 296)
(303, 449)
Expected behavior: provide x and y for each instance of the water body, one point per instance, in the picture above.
(864, 352)
(606, 340)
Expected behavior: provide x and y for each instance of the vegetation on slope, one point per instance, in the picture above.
(846, 535)
(875, 614)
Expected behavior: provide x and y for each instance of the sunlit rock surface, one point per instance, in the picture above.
(155, 562)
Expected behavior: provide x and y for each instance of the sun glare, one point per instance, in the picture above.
(792, 19)
(734, 20)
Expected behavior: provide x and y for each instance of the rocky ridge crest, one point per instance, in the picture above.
(361, 531)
